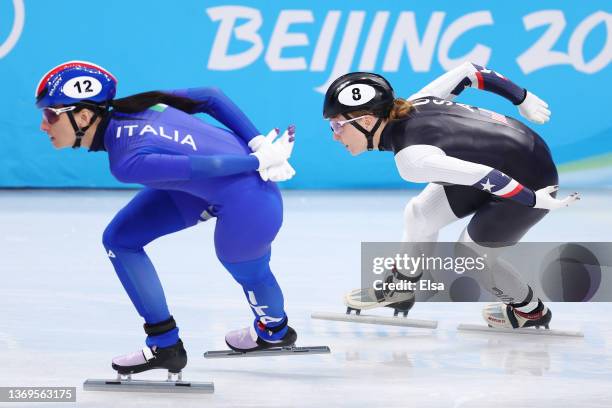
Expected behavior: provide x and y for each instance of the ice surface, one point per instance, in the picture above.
(65, 314)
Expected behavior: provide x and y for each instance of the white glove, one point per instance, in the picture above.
(534, 109)
(284, 171)
(544, 200)
(273, 156)
(280, 173)
(256, 142)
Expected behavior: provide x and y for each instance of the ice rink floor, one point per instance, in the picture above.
(64, 314)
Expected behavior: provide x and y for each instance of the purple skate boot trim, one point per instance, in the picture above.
(243, 339)
(136, 358)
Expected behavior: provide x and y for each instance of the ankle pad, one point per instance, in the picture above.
(159, 328)
(275, 329)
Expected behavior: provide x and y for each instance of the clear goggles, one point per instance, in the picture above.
(336, 125)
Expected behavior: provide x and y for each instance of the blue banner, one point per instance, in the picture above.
(275, 59)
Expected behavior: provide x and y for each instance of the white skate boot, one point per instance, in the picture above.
(399, 298)
(505, 318)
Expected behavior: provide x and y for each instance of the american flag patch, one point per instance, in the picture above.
(494, 115)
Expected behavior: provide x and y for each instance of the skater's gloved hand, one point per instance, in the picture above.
(544, 200)
(273, 155)
(280, 173)
(534, 109)
(284, 171)
(259, 140)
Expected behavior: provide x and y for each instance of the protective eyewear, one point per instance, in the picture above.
(336, 125)
(51, 115)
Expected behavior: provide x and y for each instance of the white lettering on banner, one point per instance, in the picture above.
(370, 51)
(219, 60)
(541, 55)
(281, 38)
(348, 46)
(576, 43)
(18, 20)
(405, 38)
(480, 54)
(324, 43)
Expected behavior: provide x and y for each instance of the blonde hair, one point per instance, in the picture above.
(401, 108)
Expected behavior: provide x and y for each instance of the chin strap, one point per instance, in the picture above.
(80, 132)
(368, 134)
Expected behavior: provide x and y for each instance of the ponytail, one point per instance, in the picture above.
(401, 108)
(142, 101)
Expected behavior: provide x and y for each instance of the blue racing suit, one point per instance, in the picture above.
(192, 171)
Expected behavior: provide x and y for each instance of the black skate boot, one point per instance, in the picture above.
(172, 358)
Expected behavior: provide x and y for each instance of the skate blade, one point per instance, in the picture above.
(369, 319)
(275, 351)
(149, 386)
(528, 330)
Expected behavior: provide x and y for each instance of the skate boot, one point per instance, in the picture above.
(502, 315)
(173, 359)
(400, 298)
(247, 339)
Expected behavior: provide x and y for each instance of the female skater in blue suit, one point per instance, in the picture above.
(191, 171)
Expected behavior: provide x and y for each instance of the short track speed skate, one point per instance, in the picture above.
(505, 318)
(401, 301)
(172, 358)
(247, 343)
